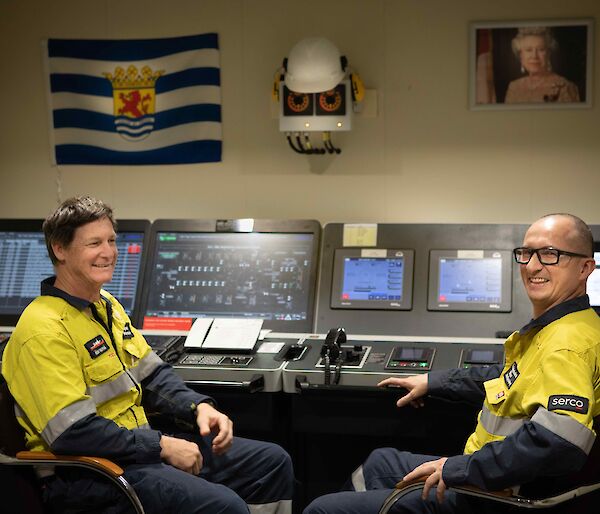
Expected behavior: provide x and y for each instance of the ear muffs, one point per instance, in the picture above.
(357, 88)
(279, 76)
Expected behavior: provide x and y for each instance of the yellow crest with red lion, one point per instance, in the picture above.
(134, 100)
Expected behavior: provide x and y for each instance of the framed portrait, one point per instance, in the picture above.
(543, 64)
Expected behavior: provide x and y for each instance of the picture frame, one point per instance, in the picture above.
(536, 64)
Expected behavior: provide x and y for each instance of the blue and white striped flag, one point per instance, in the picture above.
(148, 101)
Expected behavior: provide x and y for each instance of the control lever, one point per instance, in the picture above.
(352, 356)
(331, 354)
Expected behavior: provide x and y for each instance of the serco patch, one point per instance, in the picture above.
(569, 402)
(127, 333)
(96, 346)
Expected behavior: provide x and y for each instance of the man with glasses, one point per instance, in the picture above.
(535, 426)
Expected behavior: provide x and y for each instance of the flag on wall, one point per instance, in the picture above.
(147, 101)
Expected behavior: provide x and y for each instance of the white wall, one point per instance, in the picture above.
(424, 158)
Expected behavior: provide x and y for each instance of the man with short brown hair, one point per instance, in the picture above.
(83, 379)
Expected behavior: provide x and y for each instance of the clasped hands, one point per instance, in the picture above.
(185, 455)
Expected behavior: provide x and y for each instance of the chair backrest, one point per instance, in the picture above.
(12, 436)
(18, 483)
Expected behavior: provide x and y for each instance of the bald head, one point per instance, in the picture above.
(548, 285)
(577, 233)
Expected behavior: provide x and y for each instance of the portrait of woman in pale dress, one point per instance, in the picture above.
(533, 47)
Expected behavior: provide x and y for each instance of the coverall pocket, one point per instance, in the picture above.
(103, 370)
(495, 391)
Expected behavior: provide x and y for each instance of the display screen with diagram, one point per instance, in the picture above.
(202, 273)
(470, 280)
(372, 279)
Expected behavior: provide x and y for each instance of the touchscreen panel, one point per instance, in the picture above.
(470, 280)
(372, 279)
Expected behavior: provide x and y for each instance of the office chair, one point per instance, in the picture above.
(23, 481)
(574, 498)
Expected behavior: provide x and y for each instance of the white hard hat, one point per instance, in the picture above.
(314, 65)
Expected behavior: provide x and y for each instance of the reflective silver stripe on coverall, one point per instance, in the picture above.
(104, 392)
(358, 479)
(66, 417)
(145, 367)
(499, 425)
(566, 427)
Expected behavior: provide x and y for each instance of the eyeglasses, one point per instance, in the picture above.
(547, 256)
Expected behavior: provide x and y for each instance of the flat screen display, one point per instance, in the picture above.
(593, 282)
(470, 280)
(372, 279)
(482, 356)
(231, 274)
(24, 263)
(411, 354)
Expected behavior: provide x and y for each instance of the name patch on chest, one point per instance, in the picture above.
(568, 402)
(127, 333)
(511, 375)
(96, 346)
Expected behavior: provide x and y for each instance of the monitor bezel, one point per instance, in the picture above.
(34, 225)
(596, 249)
(144, 226)
(433, 284)
(269, 226)
(341, 254)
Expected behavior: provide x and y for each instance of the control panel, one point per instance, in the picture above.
(483, 357)
(410, 358)
(167, 346)
(361, 362)
(216, 360)
(351, 356)
(297, 362)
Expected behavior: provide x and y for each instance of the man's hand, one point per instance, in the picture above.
(416, 386)
(210, 420)
(433, 471)
(181, 454)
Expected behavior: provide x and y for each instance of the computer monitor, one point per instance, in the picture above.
(593, 282)
(126, 285)
(24, 263)
(232, 268)
(470, 280)
(368, 278)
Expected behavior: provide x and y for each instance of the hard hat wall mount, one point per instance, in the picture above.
(316, 92)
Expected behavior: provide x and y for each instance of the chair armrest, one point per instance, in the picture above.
(109, 469)
(504, 493)
(98, 462)
(409, 483)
